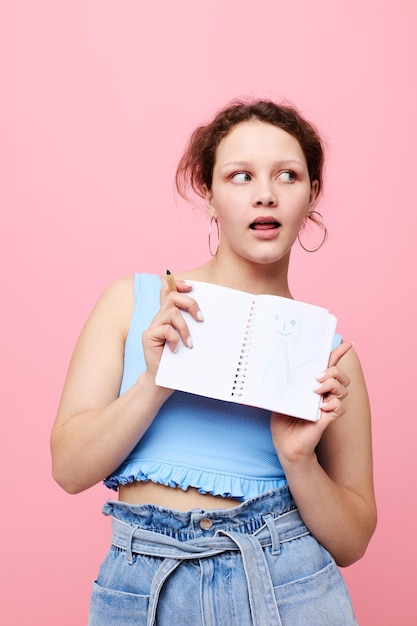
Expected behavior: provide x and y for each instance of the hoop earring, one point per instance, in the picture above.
(209, 235)
(325, 234)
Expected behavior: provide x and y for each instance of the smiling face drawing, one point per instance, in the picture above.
(284, 324)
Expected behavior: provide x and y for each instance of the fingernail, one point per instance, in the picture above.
(323, 405)
(189, 342)
(200, 316)
(317, 387)
(321, 376)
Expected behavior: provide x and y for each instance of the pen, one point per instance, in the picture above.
(170, 281)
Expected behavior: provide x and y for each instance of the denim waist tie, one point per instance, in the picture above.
(276, 530)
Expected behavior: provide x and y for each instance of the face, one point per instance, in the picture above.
(261, 192)
(284, 324)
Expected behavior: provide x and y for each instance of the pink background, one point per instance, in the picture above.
(97, 99)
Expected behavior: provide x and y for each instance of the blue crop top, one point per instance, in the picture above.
(221, 448)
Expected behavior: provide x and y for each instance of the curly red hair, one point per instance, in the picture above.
(195, 169)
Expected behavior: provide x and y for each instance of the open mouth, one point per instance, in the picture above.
(264, 224)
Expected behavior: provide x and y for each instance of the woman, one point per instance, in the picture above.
(226, 514)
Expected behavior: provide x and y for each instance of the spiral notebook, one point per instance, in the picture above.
(262, 351)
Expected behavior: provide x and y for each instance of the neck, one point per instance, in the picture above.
(245, 275)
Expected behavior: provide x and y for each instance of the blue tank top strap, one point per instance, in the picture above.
(337, 340)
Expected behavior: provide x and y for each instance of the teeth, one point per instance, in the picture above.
(274, 224)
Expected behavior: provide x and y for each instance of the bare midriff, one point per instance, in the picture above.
(172, 498)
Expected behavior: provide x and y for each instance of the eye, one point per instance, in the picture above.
(287, 176)
(241, 177)
(293, 322)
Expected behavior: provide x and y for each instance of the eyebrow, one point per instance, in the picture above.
(280, 163)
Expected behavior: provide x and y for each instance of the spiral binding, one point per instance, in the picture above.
(243, 361)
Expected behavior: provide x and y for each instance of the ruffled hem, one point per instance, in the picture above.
(228, 486)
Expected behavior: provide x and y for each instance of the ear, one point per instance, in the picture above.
(208, 197)
(314, 192)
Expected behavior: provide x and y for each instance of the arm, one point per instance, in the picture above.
(328, 464)
(95, 429)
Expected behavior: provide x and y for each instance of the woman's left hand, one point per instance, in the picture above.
(294, 438)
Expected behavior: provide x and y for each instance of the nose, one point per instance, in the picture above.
(265, 195)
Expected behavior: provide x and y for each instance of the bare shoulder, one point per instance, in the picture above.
(96, 366)
(106, 328)
(350, 363)
(116, 304)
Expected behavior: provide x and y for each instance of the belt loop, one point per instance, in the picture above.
(273, 530)
(129, 541)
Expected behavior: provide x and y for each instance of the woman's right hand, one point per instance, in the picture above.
(169, 325)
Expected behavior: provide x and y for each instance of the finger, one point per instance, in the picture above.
(180, 301)
(182, 286)
(173, 319)
(332, 408)
(157, 336)
(332, 387)
(172, 338)
(336, 374)
(339, 352)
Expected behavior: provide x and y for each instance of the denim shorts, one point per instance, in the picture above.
(255, 564)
